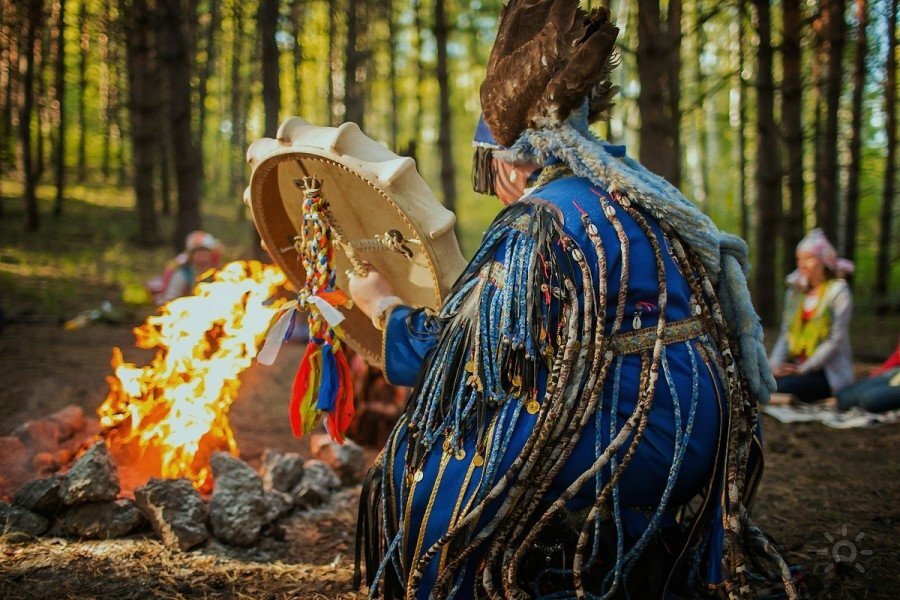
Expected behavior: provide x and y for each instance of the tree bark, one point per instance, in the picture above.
(33, 15)
(84, 48)
(143, 113)
(175, 56)
(238, 117)
(742, 124)
(831, 30)
(107, 68)
(792, 127)
(768, 171)
(393, 116)
(445, 141)
(61, 101)
(332, 67)
(659, 66)
(419, 116)
(883, 270)
(212, 34)
(856, 131)
(354, 72)
(298, 16)
(267, 20)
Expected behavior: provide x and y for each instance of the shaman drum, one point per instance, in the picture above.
(380, 211)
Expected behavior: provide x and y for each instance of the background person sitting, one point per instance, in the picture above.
(202, 252)
(811, 358)
(878, 393)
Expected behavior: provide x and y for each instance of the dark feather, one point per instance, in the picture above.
(550, 55)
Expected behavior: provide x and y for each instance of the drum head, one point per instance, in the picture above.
(382, 212)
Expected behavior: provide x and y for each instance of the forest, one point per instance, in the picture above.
(775, 117)
(125, 125)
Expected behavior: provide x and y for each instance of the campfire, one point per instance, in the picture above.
(166, 419)
(164, 434)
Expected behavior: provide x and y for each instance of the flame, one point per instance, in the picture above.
(168, 418)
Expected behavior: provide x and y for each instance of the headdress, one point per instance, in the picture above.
(816, 243)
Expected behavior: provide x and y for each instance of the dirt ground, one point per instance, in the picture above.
(825, 491)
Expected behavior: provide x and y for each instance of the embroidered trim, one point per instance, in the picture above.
(635, 342)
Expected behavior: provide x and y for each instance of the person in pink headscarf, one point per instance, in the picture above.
(812, 358)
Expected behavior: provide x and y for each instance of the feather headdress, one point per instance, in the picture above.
(549, 57)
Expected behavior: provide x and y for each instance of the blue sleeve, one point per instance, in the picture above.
(408, 336)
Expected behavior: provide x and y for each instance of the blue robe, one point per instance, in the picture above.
(686, 424)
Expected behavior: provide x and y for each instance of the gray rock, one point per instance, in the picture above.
(92, 478)
(348, 460)
(318, 484)
(237, 508)
(21, 520)
(40, 495)
(102, 520)
(175, 511)
(278, 504)
(281, 471)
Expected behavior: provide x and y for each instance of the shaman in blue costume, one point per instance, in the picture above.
(583, 420)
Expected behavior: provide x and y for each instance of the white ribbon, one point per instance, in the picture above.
(275, 338)
(332, 316)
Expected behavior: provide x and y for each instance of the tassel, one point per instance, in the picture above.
(328, 389)
(339, 419)
(298, 390)
(278, 333)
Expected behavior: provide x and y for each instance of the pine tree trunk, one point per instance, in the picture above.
(164, 157)
(883, 270)
(393, 116)
(445, 141)
(267, 20)
(106, 75)
(659, 66)
(33, 18)
(175, 55)
(298, 16)
(354, 72)
(768, 171)
(7, 52)
(61, 101)
(212, 34)
(419, 117)
(84, 48)
(143, 113)
(830, 28)
(742, 124)
(792, 127)
(332, 57)
(697, 162)
(856, 130)
(238, 122)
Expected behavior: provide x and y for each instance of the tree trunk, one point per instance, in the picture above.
(831, 30)
(883, 271)
(7, 75)
(143, 113)
(419, 117)
(856, 131)
(768, 171)
(298, 15)
(393, 116)
(742, 124)
(175, 55)
(212, 33)
(33, 14)
(445, 141)
(332, 57)
(792, 127)
(659, 66)
(84, 48)
(238, 117)
(164, 157)
(267, 20)
(107, 68)
(61, 101)
(354, 72)
(698, 141)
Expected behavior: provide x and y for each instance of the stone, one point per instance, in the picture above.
(237, 507)
(15, 464)
(69, 420)
(281, 471)
(21, 520)
(348, 460)
(102, 520)
(175, 511)
(92, 478)
(41, 435)
(278, 504)
(40, 495)
(318, 484)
